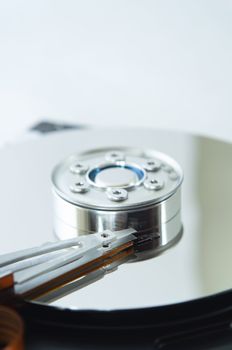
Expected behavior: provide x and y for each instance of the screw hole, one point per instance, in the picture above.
(151, 163)
(79, 184)
(105, 245)
(117, 192)
(153, 181)
(105, 235)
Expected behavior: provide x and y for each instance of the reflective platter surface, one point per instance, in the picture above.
(198, 266)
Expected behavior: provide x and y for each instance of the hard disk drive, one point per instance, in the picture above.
(118, 239)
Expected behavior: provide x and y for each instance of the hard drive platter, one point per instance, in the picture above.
(196, 268)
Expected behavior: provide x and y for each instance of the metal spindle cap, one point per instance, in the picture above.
(116, 189)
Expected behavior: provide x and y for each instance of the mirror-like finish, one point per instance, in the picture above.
(198, 266)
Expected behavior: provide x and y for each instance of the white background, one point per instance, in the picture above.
(163, 63)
